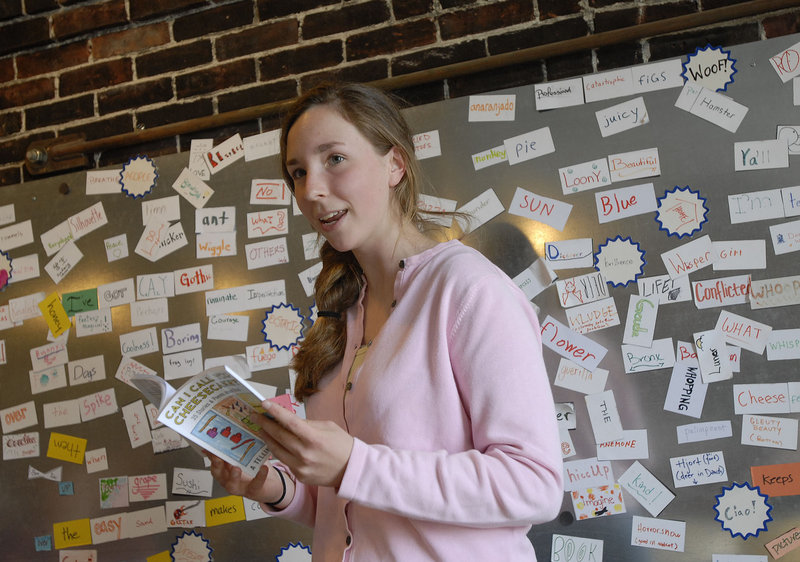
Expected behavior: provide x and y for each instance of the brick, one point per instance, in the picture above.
(101, 128)
(711, 4)
(259, 39)
(569, 65)
(25, 93)
(86, 19)
(10, 123)
(485, 18)
(19, 35)
(152, 149)
(95, 76)
(12, 150)
(615, 19)
(39, 6)
(438, 56)
(144, 9)
(10, 176)
(273, 9)
(10, 9)
(601, 3)
(409, 8)
(175, 58)
(778, 26)
(390, 40)
(229, 16)
(63, 111)
(130, 40)
(682, 44)
(218, 77)
(447, 4)
(616, 56)
(544, 34)
(346, 18)
(367, 71)
(301, 59)
(261, 94)
(554, 8)
(6, 70)
(174, 113)
(138, 94)
(664, 11)
(506, 77)
(53, 59)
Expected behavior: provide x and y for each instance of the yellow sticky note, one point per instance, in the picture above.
(54, 314)
(77, 532)
(66, 448)
(229, 509)
(164, 556)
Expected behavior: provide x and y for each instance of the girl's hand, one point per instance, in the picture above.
(265, 487)
(317, 452)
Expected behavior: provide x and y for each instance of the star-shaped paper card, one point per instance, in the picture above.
(742, 510)
(710, 67)
(681, 212)
(138, 176)
(619, 260)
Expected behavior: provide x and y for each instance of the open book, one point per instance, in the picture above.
(214, 409)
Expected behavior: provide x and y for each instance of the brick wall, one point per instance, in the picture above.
(105, 67)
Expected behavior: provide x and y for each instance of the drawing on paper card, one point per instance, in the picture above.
(681, 212)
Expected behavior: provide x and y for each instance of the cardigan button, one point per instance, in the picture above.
(348, 540)
(394, 303)
(348, 386)
(402, 264)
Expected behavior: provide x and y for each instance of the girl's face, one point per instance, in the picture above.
(343, 187)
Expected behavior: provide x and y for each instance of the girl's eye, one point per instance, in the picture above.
(298, 173)
(336, 158)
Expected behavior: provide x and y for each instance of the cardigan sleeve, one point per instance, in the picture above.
(513, 473)
(302, 509)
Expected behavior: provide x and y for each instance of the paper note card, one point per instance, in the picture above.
(543, 209)
(755, 206)
(529, 145)
(66, 448)
(785, 237)
(607, 85)
(632, 445)
(712, 356)
(563, 93)
(68, 534)
(565, 547)
(661, 534)
(492, 107)
(569, 254)
(768, 431)
(192, 188)
(227, 509)
(634, 165)
(658, 355)
(787, 62)
(593, 316)
(765, 398)
(704, 431)
(641, 321)
(261, 146)
(689, 257)
(598, 502)
(584, 176)
(587, 473)
(760, 155)
(768, 293)
(603, 414)
(698, 469)
(101, 182)
(621, 117)
(666, 289)
(788, 541)
(743, 332)
(572, 345)
(686, 393)
(646, 489)
(224, 154)
(582, 289)
(147, 487)
(427, 145)
(625, 202)
(191, 482)
(480, 210)
(571, 376)
(777, 479)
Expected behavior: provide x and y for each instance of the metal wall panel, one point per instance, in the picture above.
(693, 153)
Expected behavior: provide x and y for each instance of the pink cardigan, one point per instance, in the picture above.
(456, 449)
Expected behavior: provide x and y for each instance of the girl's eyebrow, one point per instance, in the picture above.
(320, 149)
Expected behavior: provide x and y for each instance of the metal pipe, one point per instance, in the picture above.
(593, 41)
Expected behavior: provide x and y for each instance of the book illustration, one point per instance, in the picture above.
(215, 410)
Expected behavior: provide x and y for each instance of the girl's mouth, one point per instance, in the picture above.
(331, 218)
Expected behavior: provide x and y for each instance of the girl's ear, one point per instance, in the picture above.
(397, 167)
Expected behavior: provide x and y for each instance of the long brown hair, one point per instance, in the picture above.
(377, 117)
